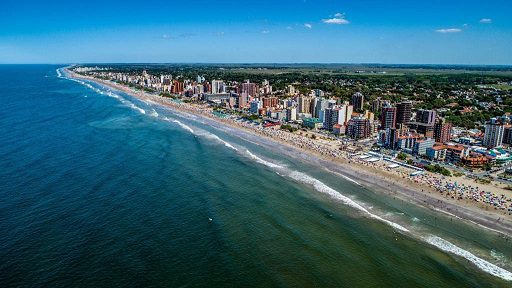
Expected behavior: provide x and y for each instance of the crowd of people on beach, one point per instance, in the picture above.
(449, 188)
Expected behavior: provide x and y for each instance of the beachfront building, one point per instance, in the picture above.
(391, 138)
(437, 152)
(475, 160)
(312, 123)
(359, 128)
(291, 114)
(421, 146)
(454, 153)
(332, 117)
(320, 105)
(255, 107)
(337, 115)
(217, 99)
(406, 142)
(305, 104)
(339, 129)
(494, 130)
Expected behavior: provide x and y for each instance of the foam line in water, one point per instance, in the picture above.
(110, 94)
(153, 113)
(202, 133)
(261, 161)
(322, 187)
(479, 262)
(350, 179)
(137, 108)
(184, 126)
(216, 138)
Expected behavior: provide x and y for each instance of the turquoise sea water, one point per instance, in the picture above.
(98, 189)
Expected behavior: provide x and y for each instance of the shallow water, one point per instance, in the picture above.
(100, 189)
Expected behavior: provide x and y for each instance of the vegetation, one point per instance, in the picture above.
(251, 117)
(483, 181)
(289, 128)
(401, 156)
(438, 169)
(458, 174)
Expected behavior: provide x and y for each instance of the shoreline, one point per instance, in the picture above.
(368, 177)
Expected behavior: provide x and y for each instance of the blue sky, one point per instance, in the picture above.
(323, 31)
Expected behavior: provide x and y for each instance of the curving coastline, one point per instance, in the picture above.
(368, 177)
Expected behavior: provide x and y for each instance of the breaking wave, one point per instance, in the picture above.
(323, 188)
(184, 126)
(137, 108)
(153, 113)
(479, 262)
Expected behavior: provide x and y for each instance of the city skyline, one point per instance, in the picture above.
(459, 32)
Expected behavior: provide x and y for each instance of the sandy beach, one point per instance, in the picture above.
(479, 204)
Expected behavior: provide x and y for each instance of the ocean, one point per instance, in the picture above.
(98, 189)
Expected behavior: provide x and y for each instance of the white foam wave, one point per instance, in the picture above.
(202, 133)
(153, 113)
(479, 262)
(135, 107)
(59, 74)
(113, 95)
(264, 162)
(321, 187)
(350, 179)
(184, 126)
(216, 138)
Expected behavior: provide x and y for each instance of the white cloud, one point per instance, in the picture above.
(338, 19)
(335, 21)
(265, 32)
(486, 20)
(165, 36)
(449, 30)
(307, 25)
(289, 28)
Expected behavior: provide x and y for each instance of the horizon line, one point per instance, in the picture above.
(262, 63)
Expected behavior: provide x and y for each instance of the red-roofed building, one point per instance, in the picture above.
(437, 152)
(475, 160)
